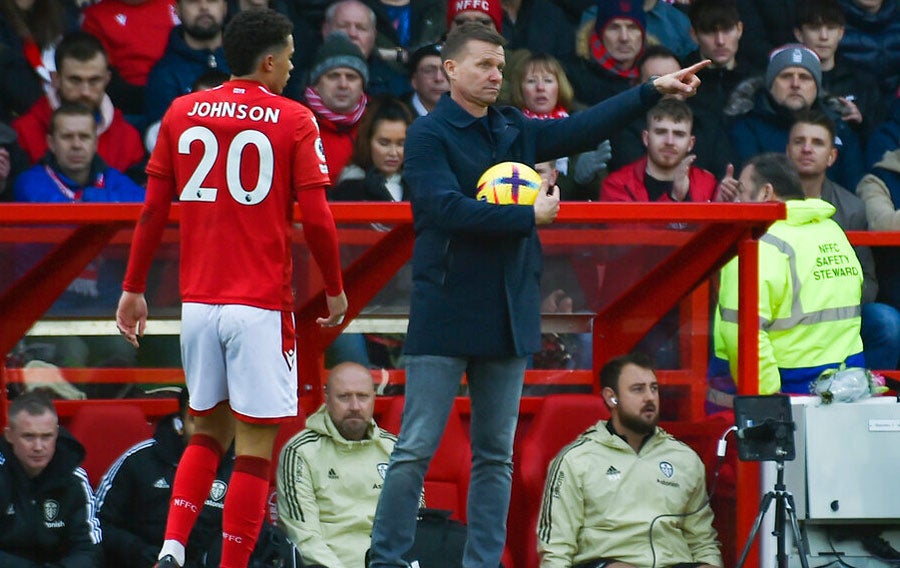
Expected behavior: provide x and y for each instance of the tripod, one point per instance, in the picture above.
(784, 505)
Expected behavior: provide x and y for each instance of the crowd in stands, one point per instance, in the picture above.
(356, 61)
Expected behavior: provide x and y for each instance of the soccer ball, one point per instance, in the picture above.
(508, 183)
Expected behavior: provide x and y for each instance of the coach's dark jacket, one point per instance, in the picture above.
(48, 520)
(477, 266)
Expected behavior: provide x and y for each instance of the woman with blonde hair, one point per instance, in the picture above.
(538, 86)
(540, 89)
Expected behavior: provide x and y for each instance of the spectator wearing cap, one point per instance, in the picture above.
(427, 79)
(359, 22)
(485, 12)
(763, 109)
(336, 95)
(607, 51)
(665, 25)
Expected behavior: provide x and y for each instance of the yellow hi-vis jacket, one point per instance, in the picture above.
(810, 288)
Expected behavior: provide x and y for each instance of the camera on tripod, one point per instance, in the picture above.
(765, 428)
(765, 432)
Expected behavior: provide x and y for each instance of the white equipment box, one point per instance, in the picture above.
(846, 471)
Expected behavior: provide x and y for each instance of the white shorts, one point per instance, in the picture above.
(243, 355)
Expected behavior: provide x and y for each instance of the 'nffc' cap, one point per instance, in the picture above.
(490, 7)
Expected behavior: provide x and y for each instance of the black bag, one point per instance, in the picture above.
(440, 540)
(274, 549)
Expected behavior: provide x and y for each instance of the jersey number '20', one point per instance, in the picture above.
(194, 190)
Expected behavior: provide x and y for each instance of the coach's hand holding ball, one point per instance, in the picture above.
(514, 183)
(546, 205)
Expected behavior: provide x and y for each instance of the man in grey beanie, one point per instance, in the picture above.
(762, 110)
(794, 76)
(337, 80)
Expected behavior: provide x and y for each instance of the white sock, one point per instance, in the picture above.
(175, 548)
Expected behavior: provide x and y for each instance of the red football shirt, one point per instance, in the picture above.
(237, 154)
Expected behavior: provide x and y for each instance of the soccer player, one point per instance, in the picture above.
(236, 157)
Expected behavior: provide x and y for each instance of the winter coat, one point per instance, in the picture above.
(49, 519)
(174, 74)
(477, 266)
(872, 42)
(761, 125)
(880, 191)
(118, 142)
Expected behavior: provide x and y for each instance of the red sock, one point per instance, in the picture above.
(193, 478)
(245, 506)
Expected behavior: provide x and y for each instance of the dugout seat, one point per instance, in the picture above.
(106, 431)
(560, 419)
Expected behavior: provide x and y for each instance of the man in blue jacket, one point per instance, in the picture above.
(71, 171)
(194, 48)
(476, 276)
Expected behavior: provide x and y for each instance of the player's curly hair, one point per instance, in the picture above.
(250, 35)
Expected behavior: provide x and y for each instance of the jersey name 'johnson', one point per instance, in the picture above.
(234, 110)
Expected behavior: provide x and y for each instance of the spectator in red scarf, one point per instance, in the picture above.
(608, 50)
(337, 80)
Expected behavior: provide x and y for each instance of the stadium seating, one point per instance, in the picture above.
(561, 418)
(106, 432)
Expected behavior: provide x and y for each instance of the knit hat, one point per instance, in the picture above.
(630, 9)
(490, 7)
(793, 55)
(338, 51)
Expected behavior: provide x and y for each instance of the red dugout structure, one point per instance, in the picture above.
(603, 246)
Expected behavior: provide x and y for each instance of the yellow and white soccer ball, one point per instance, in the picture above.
(509, 183)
